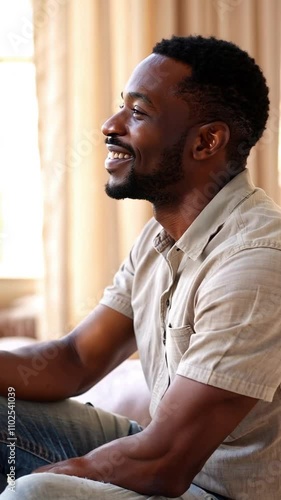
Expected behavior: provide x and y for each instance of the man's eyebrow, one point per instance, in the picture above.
(139, 95)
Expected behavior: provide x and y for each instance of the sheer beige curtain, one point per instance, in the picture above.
(85, 51)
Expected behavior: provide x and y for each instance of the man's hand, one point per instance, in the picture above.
(70, 467)
(102, 464)
(86, 467)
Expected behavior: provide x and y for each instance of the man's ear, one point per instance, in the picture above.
(211, 138)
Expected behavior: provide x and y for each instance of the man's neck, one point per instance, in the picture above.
(177, 218)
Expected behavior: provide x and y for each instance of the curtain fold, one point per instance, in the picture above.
(84, 52)
(50, 38)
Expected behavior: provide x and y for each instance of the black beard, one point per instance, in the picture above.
(153, 187)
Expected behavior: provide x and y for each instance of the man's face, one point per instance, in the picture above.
(148, 138)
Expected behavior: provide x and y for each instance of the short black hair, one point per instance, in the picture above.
(225, 84)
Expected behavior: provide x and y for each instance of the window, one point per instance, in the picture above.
(20, 178)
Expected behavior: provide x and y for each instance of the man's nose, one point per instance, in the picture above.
(114, 125)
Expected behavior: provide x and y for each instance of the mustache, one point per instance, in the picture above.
(114, 141)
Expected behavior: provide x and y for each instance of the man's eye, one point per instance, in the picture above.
(137, 112)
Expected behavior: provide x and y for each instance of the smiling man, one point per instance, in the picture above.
(198, 296)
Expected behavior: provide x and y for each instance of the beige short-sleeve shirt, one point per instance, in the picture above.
(208, 307)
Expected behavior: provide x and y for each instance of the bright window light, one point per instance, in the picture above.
(16, 28)
(20, 178)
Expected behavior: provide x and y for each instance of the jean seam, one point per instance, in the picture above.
(31, 448)
(33, 453)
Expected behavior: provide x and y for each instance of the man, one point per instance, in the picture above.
(198, 296)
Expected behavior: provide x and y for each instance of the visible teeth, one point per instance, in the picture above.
(120, 156)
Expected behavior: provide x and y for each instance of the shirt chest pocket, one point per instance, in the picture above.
(177, 343)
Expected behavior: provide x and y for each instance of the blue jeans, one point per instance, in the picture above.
(50, 432)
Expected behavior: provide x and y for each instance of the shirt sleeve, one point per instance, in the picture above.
(118, 296)
(236, 342)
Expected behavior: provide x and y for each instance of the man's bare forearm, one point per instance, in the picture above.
(49, 371)
(46, 371)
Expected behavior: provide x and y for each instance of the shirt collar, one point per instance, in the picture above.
(207, 223)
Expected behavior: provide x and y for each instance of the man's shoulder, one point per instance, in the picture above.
(258, 221)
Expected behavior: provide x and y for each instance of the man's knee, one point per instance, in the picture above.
(32, 487)
(19, 490)
(48, 486)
